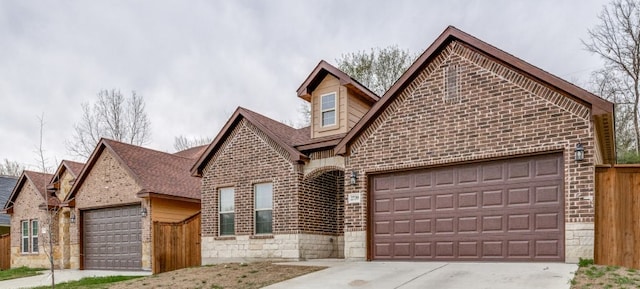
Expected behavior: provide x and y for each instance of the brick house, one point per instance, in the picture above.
(117, 196)
(26, 206)
(473, 154)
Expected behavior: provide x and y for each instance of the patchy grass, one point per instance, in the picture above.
(91, 282)
(227, 276)
(604, 277)
(19, 273)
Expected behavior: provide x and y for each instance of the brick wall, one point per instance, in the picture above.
(25, 207)
(248, 157)
(321, 197)
(307, 217)
(108, 184)
(498, 113)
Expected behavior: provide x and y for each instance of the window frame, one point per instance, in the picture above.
(231, 212)
(334, 109)
(257, 210)
(34, 236)
(24, 237)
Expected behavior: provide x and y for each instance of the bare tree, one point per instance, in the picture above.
(112, 116)
(11, 168)
(617, 40)
(377, 69)
(182, 142)
(51, 215)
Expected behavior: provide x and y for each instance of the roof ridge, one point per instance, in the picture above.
(143, 148)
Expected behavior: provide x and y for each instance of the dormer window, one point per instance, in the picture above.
(328, 109)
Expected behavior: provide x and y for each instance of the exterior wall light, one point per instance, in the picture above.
(354, 178)
(72, 218)
(143, 212)
(579, 152)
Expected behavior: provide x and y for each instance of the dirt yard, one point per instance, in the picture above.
(604, 277)
(228, 276)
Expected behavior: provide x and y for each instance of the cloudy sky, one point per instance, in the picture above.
(196, 61)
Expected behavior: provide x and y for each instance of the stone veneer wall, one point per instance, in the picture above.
(497, 113)
(579, 241)
(108, 184)
(278, 247)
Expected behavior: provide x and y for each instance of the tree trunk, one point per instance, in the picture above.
(636, 126)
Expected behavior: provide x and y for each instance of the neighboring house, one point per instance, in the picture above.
(473, 154)
(7, 183)
(121, 190)
(27, 208)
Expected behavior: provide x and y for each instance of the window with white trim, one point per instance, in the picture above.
(29, 236)
(264, 208)
(227, 211)
(34, 236)
(328, 109)
(25, 237)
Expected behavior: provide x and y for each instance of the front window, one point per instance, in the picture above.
(328, 106)
(227, 212)
(34, 236)
(264, 208)
(25, 236)
(29, 236)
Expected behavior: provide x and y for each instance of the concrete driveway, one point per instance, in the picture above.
(64, 276)
(442, 275)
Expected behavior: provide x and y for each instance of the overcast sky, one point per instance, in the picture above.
(196, 61)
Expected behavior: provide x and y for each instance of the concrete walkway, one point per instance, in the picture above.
(442, 275)
(64, 276)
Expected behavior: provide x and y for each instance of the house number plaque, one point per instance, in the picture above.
(354, 198)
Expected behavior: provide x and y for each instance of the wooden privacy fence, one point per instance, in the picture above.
(617, 219)
(176, 245)
(5, 252)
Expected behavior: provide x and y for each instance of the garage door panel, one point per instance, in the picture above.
(444, 178)
(468, 200)
(492, 173)
(510, 210)
(444, 202)
(492, 198)
(468, 175)
(112, 238)
(548, 194)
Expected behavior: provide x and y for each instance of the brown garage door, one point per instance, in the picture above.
(112, 238)
(497, 210)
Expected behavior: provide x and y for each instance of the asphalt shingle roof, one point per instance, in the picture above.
(7, 183)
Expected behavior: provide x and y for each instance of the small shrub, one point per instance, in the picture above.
(585, 262)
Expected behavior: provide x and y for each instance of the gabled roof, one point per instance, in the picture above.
(599, 106)
(38, 180)
(74, 169)
(320, 72)
(7, 183)
(284, 135)
(192, 153)
(157, 173)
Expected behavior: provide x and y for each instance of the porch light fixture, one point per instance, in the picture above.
(143, 212)
(72, 218)
(579, 152)
(354, 178)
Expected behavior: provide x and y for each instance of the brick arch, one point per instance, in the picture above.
(321, 170)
